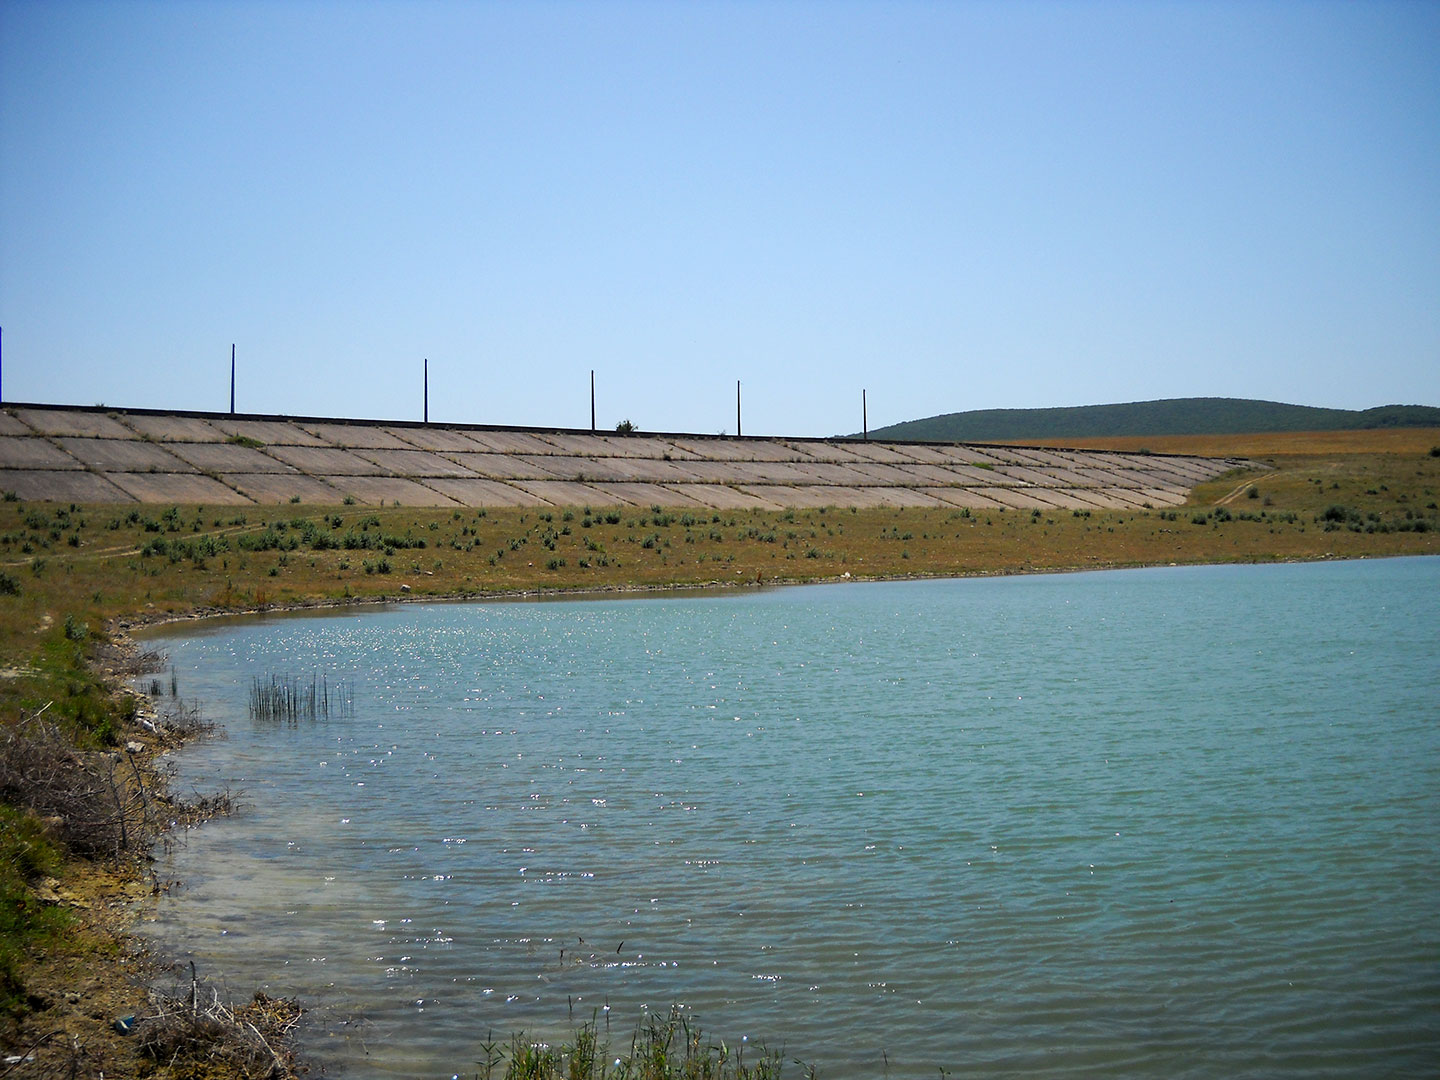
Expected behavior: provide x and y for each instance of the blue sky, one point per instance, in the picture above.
(950, 205)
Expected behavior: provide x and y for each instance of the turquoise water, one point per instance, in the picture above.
(1153, 823)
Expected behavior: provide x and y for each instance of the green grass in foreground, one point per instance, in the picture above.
(667, 1048)
(26, 854)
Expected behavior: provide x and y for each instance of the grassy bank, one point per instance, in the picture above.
(71, 575)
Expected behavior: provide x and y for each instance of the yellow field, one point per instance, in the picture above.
(1266, 445)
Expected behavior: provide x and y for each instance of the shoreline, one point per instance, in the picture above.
(125, 626)
(65, 570)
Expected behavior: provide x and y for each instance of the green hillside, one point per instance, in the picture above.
(1176, 416)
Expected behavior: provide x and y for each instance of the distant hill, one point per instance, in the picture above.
(1176, 416)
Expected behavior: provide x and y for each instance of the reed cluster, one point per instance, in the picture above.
(664, 1047)
(289, 700)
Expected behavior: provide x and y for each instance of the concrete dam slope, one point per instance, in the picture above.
(96, 455)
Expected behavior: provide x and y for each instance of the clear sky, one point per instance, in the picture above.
(951, 205)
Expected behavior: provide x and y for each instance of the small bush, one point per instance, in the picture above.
(9, 584)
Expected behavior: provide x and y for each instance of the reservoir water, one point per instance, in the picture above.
(1152, 823)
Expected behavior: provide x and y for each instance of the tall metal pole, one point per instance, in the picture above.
(592, 401)
(427, 390)
(864, 418)
(737, 408)
(232, 378)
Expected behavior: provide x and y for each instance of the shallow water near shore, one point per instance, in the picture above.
(1158, 823)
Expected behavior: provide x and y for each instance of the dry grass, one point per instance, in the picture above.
(198, 1036)
(1268, 444)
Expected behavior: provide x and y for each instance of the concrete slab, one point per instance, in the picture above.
(1098, 498)
(355, 436)
(124, 455)
(485, 493)
(787, 496)
(179, 457)
(1128, 498)
(511, 442)
(1161, 496)
(829, 472)
(1019, 455)
(502, 466)
(1020, 474)
(1016, 499)
(227, 458)
(713, 449)
(783, 496)
(281, 488)
(268, 432)
(388, 490)
(1140, 478)
(566, 493)
(739, 449)
(966, 497)
(148, 487)
(1184, 470)
(577, 445)
(965, 455)
(414, 463)
(646, 447)
(175, 428)
(1099, 478)
(649, 470)
(722, 497)
(709, 472)
(771, 472)
(880, 453)
(325, 461)
(638, 494)
(964, 475)
(899, 497)
(929, 455)
(62, 486)
(432, 438)
(834, 453)
(583, 470)
(34, 453)
(1045, 458)
(1061, 477)
(10, 425)
(1051, 498)
(884, 474)
(921, 475)
(80, 424)
(862, 498)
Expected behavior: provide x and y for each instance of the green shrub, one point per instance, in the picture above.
(26, 854)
